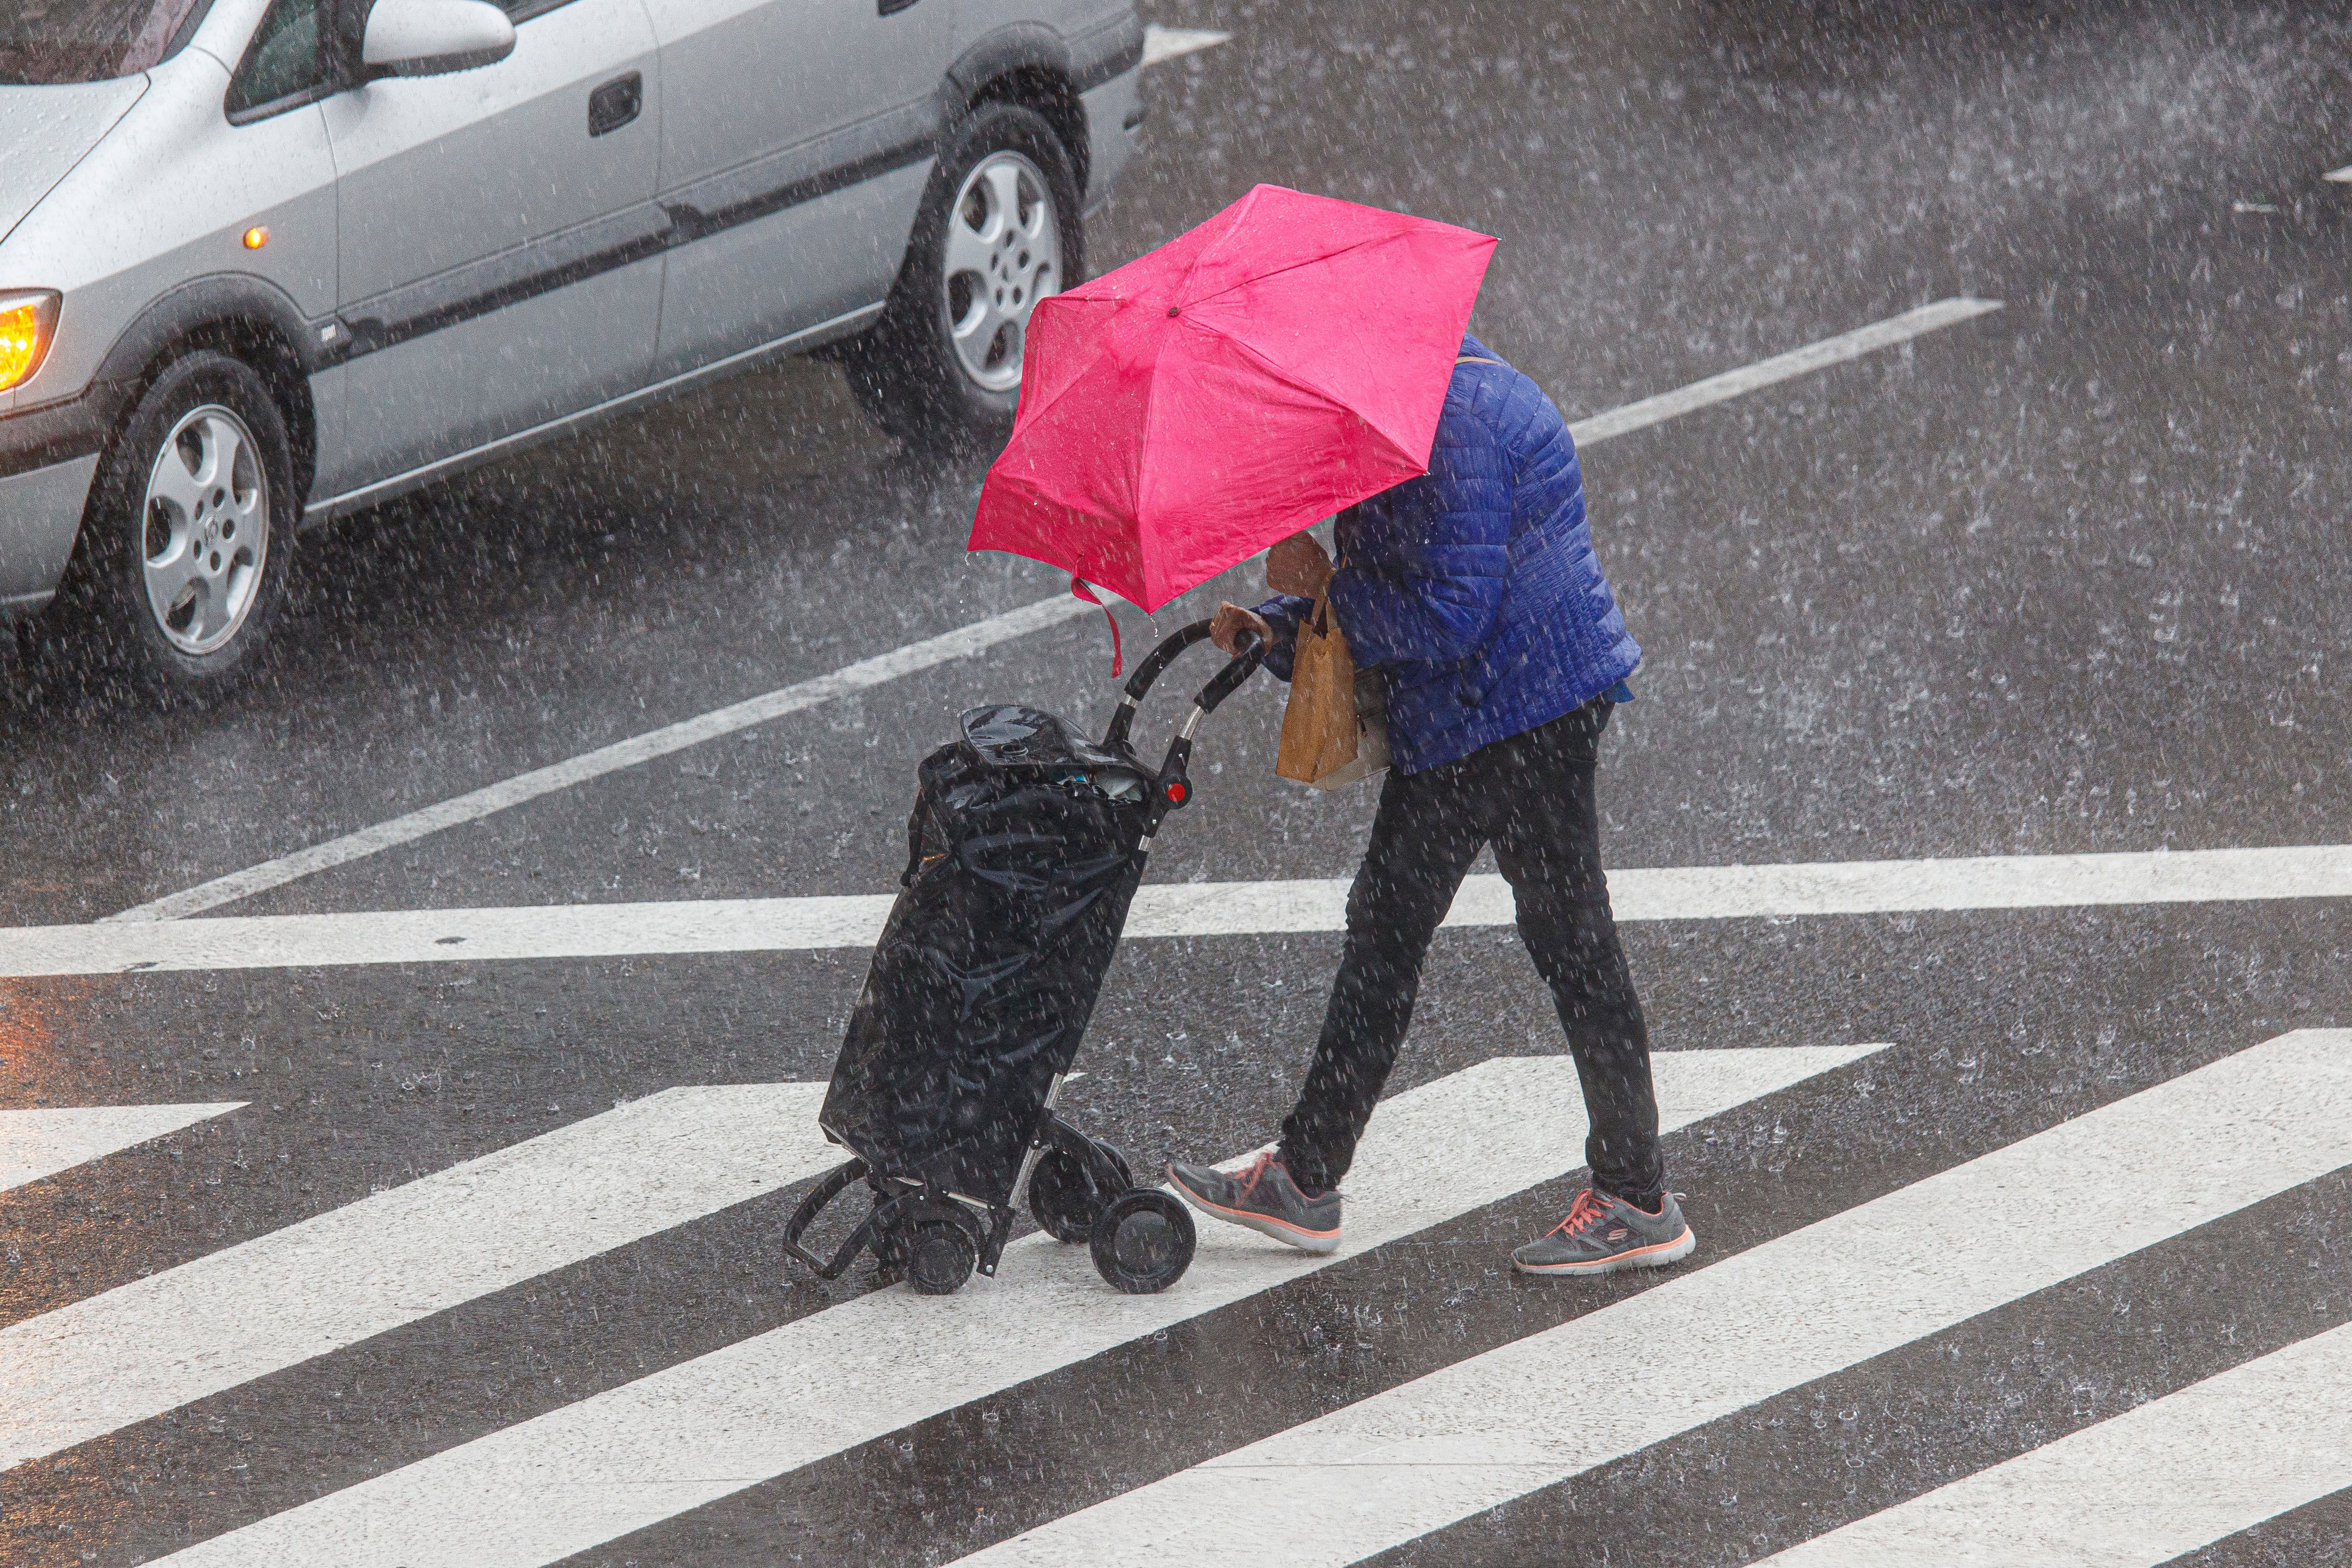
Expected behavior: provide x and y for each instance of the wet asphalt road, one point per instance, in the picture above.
(2067, 578)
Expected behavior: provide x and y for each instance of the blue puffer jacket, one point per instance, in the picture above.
(1473, 588)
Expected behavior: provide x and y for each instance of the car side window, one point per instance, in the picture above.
(286, 57)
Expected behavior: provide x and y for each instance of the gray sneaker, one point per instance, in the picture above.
(1602, 1234)
(1263, 1196)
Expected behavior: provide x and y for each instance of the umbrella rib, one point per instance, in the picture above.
(1217, 242)
(1146, 558)
(1286, 376)
(1296, 382)
(1101, 350)
(1278, 271)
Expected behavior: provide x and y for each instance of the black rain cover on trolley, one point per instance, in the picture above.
(1021, 863)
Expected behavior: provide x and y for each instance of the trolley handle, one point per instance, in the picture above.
(1249, 653)
(1174, 787)
(1155, 664)
(826, 1191)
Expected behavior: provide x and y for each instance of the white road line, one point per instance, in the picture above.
(265, 1304)
(2143, 1487)
(634, 1456)
(1172, 908)
(1161, 44)
(426, 936)
(1782, 367)
(958, 644)
(861, 676)
(36, 1143)
(1713, 1340)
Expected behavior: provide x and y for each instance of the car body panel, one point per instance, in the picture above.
(487, 242)
(1114, 130)
(493, 376)
(457, 268)
(168, 196)
(843, 326)
(1083, 38)
(439, 172)
(48, 129)
(787, 120)
(835, 247)
(747, 78)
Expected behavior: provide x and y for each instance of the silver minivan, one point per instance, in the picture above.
(266, 262)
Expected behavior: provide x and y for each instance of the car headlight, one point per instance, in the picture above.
(28, 319)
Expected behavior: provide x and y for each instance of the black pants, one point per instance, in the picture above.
(1531, 796)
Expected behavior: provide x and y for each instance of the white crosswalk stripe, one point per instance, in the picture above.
(1174, 910)
(1893, 1272)
(2176, 1474)
(392, 1258)
(1164, 43)
(1884, 1274)
(682, 1438)
(41, 1142)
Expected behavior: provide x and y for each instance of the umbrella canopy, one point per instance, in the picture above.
(1287, 358)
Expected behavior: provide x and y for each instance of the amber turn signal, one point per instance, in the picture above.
(26, 322)
(256, 236)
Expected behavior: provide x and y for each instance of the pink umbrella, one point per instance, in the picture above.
(1284, 360)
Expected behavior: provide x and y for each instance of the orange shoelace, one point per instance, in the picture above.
(1254, 1172)
(1583, 1213)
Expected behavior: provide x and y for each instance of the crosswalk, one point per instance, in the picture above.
(694, 1433)
(2176, 1474)
(1495, 1424)
(395, 1256)
(1876, 1277)
(43, 1141)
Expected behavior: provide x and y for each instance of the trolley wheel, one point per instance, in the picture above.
(1143, 1242)
(940, 1245)
(1066, 1201)
(888, 1245)
(939, 1258)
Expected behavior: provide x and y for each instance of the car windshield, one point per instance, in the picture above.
(47, 42)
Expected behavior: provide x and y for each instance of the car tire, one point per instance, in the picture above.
(189, 530)
(941, 368)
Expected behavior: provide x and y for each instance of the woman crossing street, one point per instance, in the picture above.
(1475, 590)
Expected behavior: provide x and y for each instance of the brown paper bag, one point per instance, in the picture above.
(1335, 728)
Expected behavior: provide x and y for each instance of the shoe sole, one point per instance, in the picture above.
(1658, 1255)
(1316, 1241)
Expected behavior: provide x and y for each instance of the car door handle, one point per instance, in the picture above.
(891, 8)
(615, 103)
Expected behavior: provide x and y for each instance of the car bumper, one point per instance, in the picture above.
(47, 458)
(1114, 131)
(40, 513)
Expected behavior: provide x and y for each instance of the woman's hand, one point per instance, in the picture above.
(1231, 622)
(1298, 565)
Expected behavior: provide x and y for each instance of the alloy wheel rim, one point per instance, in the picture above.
(1004, 255)
(204, 529)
